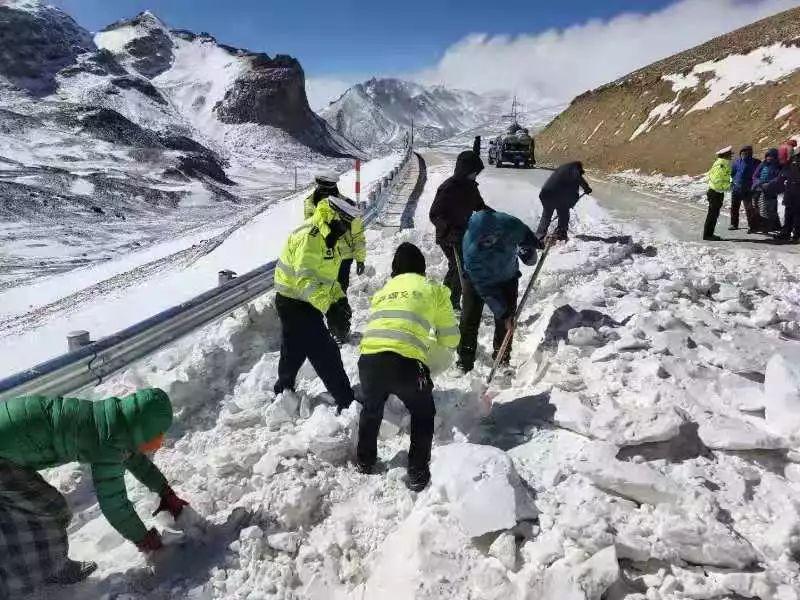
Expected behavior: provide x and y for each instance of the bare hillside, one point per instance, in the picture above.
(740, 88)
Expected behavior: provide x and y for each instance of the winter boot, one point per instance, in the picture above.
(73, 571)
(365, 468)
(465, 364)
(417, 480)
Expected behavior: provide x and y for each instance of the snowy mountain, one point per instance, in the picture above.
(380, 112)
(141, 134)
(740, 88)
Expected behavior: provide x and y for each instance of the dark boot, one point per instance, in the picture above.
(418, 480)
(73, 571)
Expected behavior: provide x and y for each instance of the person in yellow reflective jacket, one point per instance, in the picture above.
(307, 289)
(408, 316)
(719, 182)
(353, 244)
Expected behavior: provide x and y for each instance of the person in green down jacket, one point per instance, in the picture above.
(111, 436)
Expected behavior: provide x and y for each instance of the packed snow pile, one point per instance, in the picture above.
(644, 449)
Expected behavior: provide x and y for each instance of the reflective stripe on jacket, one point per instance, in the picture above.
(719, 177)
(352, 244)
(407, 316)
(307, 269)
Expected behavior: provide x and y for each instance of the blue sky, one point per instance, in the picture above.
(355, 36)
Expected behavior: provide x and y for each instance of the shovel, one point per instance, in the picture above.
(486, 397)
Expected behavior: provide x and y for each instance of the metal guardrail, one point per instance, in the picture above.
(91, 364)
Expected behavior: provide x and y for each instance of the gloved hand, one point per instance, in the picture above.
(527, 255)
(151, 542)
(171, 503)
(338, 316)
(588, 191)
(360, 267)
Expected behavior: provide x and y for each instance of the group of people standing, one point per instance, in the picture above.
(755, 185)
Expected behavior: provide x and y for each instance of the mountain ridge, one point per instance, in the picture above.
(672, 115)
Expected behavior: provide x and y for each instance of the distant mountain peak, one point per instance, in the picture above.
(378, 112)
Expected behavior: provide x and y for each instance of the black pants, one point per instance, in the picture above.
(344, 273)
(548, 208)
(744, 198)
(453, 279)
(304, 336)
(410, 380)
(714, 206)
(791, 224)
(471, 321)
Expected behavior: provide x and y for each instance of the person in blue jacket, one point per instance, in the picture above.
(765, 180)
(742, 173)
(492, 243)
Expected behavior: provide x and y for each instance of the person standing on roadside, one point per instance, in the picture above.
(789, 183)
(560, 194)
(764, 183)
(719, 182)
(742, 173)
(456, 199)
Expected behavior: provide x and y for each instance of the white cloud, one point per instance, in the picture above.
(323, 90)
(556, 65)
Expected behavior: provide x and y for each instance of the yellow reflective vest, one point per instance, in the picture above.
(407, 316)
(307, 269)
(352, 244)
(719, 177)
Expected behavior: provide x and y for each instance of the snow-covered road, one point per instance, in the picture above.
(647, 449)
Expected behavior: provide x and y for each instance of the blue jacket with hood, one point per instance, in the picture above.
(743, 170)
(492, 244)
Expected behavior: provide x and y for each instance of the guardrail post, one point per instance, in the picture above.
(225, 276)
(77, 340)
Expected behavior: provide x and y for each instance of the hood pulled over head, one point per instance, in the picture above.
(468, 163)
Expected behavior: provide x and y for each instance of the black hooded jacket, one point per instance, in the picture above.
(456, 199)
(561, 188)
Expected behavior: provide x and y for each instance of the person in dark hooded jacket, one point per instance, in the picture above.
(742, 173)
(456, 199)
(789, 183)
(559, 195)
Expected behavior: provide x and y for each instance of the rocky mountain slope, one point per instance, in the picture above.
(139, 135)
(379, 112)
(740, 88)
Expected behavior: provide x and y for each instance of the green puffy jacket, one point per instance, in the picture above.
(39, 432)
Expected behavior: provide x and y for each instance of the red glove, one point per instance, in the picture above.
(151, 542)
(171, 503)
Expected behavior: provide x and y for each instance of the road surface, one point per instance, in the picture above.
(665, 217)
